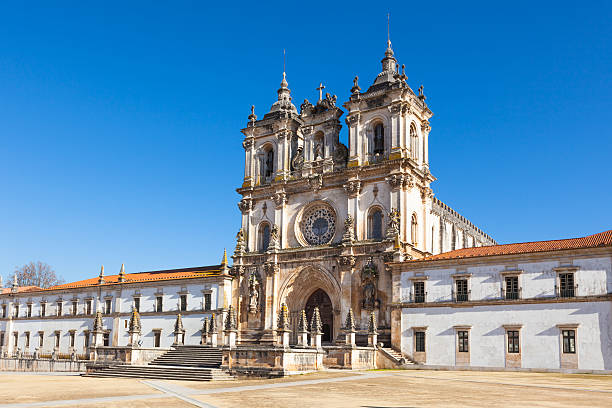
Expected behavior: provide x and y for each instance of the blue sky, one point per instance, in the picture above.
(119, 123)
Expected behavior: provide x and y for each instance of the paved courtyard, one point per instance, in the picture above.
(326, 389)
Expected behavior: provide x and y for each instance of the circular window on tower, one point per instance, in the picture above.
(318, 224)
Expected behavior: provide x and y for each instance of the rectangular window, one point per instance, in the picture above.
(57, 339)
(72, 336)
(16, 310)
(419, 339)
(60, 307)
(512, 287)
(566, 282)
(569, 341)
(43, 310)
(4, 311)
(107, 306)
(29, 311)
(86, 334)
(159, 304)
(513, 341)
(207, 301)
(75, 308)
(137, 304)
(462, 290)
(106, 339)
(41, 339)
(1, 339)
(462, 337)
(183, 303)
(419, 292)
(88, 307)
(156, 339)
(27, 340)
(15, 340)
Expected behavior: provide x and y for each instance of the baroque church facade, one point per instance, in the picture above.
(347, 245)
(320, 219)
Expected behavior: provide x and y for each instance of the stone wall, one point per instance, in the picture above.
(41, 365)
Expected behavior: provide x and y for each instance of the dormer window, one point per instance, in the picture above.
(379, 139)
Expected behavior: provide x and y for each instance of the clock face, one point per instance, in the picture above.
(319, 225)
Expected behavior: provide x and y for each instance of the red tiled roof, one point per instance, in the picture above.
(597, 240)
(169, 274)
(20, 289)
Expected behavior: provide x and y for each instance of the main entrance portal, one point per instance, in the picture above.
(319, 298)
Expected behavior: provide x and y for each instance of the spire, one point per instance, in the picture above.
(224, 260)
(122, 273)
(303, 322)
(178, 324)
(206, 326)
(349, 324)
(230, 319)
(213, 324)
(283, 318)
(97, 325)
(101, 276)
(284, 98)
(372, 324)
(316, 326)
(135, 321)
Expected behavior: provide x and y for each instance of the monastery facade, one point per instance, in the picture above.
(355, 233)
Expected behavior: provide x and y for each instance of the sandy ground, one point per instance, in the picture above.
(330, 389)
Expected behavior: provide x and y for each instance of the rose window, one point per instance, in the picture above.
(319, 225)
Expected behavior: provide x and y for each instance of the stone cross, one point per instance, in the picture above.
(320, 89)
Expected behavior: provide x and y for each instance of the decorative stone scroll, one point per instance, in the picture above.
(352, 188)
(349, 230)
(245, 205)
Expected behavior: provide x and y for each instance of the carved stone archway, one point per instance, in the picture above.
(299, 288)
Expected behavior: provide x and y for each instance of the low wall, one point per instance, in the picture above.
(126, 355)
(41, 365)
(355, 358)
(271, 361)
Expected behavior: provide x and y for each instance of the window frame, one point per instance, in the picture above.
(463, 340)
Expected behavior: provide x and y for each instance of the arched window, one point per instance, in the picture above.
(268, 163)
(453, 239)
(414, 229)
(375, 224)
(414, 143)
(263, 237)
(379, 139)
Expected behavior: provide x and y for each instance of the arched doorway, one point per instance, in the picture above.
(321, 300)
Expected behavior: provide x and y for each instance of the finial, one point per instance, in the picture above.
(15, 284)
(388, 31)
(1, 282)
(355, 89)
(349, 324)
(122, 273)
(101, 276)
(421, 94)
(320, 89)
(224, 260)
(252, 116)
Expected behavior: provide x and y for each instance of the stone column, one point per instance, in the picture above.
(355, 142)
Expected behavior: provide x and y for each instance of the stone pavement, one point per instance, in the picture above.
(325, 389)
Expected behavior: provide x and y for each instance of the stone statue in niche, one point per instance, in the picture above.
(394, 223)
(318, 151)
(253, 293)
(369, 282)
(298, 160)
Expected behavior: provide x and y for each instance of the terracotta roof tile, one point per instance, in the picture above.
(169, 274)
(21, 289)
(597, 240)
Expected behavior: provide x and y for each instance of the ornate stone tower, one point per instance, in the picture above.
(319, 219)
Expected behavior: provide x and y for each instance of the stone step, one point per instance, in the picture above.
(163, 372)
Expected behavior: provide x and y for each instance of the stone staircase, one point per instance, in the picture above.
(190, 363)
(191, 356)
(396, 356)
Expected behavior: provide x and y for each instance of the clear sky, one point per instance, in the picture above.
(119, 123)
